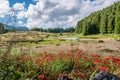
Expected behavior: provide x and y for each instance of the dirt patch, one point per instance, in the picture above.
(107, 47)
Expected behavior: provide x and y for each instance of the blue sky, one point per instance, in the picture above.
(50, 13)
(27, 2)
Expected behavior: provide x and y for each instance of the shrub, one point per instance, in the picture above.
(75, 64)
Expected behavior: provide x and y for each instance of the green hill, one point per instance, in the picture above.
(106, 21)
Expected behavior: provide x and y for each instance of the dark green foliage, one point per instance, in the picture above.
(78, 28)
(103, 24)
(70, 29)
(104, 21)
(37, 29)
(111, 23)
(1, 28)
(117, 22)
(7, 28)
(54, 30)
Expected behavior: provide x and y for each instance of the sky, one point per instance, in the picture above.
(49, 13)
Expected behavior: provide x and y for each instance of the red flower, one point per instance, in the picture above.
(19, 68)
(95, 55)
(107, 58)
(41, 76)
(45, 55)
(116, 59)
(95, 63)
(102, 68)
(75, 67)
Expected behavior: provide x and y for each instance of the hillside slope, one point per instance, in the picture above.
(105, 21)
(20, 28)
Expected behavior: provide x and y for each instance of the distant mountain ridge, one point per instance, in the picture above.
(106, 21)
(20, 28)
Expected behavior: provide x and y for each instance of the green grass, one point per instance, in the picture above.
(55, 42)
(97, 36)
(50, 42)
(101, 36)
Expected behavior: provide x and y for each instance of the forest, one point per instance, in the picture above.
(54, 30)
(105, 21)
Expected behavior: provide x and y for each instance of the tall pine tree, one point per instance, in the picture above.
(103, 21)
(110, 24)
(103, 24)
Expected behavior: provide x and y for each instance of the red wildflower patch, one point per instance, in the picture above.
(41, 77)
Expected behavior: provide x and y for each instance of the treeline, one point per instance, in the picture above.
(106, 21)
(54, 30)
(50, 30)
(4, 30)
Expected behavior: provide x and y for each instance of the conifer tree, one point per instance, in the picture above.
(103, 25)
(110, 24)
(117, 23)
(103, 21)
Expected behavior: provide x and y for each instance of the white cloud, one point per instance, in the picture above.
(21, 14)
(49, 13)
(58, 13)
(20, 23)
(54, 13)
(19, 6)
(4, 8)
(21, 10)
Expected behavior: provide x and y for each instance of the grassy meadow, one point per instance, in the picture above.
(48, 56)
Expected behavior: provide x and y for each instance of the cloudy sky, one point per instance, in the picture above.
(50, 13)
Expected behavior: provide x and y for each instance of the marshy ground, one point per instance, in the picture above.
(54, 43)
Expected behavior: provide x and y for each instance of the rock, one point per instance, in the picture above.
(100, 41)
(105, 76)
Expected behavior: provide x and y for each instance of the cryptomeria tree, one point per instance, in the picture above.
(104, 21)
(110, 24)
(117, 23)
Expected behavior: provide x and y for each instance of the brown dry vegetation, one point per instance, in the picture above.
(105, 46)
